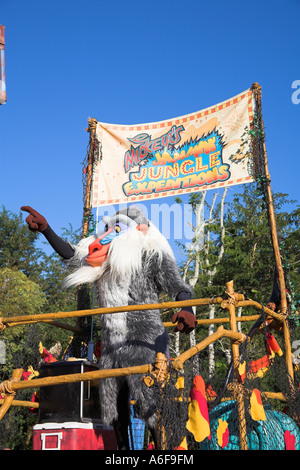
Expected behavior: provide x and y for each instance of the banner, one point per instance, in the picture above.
(2, 66)
(205, 150)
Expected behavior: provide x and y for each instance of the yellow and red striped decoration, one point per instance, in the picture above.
(222, 433)
(198, 422)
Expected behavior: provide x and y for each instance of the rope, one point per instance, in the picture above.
(231, 297)
(158, 372)
(5, 387)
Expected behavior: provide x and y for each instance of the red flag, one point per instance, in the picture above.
(273, 345)
(198, 423)
(259, 367)
(289, 440)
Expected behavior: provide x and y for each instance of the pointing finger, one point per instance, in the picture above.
(29, 209)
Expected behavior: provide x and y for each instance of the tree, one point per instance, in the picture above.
(233, 242)
(19, 250)
(18, 296)
(204, 254)
(248, 255)
(30, 283)
(18, 245)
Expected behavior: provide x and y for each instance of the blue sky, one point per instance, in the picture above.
(133, 62)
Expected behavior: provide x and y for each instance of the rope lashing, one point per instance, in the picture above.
(5, 387)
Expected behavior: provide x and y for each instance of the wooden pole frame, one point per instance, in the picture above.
(9, 392)
(230, 303)
(83, 291)
(232, 300)
(270, 206)
(87, 208)
(236, 363)
(23, 319)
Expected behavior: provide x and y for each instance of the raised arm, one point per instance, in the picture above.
(37, 223)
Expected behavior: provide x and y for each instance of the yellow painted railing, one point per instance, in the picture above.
(231, 301)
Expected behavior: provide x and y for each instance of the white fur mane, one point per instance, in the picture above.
(124, 256)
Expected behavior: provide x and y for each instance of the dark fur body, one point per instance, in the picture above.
(134, 338)
(139, 267)
(131, 263)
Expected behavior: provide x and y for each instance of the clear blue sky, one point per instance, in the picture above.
(133, 62)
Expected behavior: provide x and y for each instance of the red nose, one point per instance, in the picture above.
(97, 252)
(95, 246)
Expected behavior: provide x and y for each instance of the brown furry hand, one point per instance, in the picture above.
(186, 321)
(36, 222)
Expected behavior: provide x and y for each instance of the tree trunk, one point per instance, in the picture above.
(211, 349)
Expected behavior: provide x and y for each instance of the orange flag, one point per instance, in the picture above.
(257, 410)
(259, 367)
(210, 391)
(198, 423)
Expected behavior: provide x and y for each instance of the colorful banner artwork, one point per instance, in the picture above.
(200, 151)
(2, 66)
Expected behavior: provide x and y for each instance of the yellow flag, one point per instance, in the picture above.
(257, 410)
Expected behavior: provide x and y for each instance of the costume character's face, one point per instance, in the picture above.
(127, 237)
(117, 226)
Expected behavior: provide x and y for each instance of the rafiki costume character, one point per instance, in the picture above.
(130, 263)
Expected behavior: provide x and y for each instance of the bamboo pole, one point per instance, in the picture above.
(216, 321)
(233, 324)
(108, 310)
(80, 377)
(220, 333)
(270, 207)
(288, 350)
(87, 202)
(275, 396)
(203, 321)
(83, 290)
(9, 392)
(26, 404)
(16, 384)
(236, 362)
(63, 326)
(258, 306)
(47, 317)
